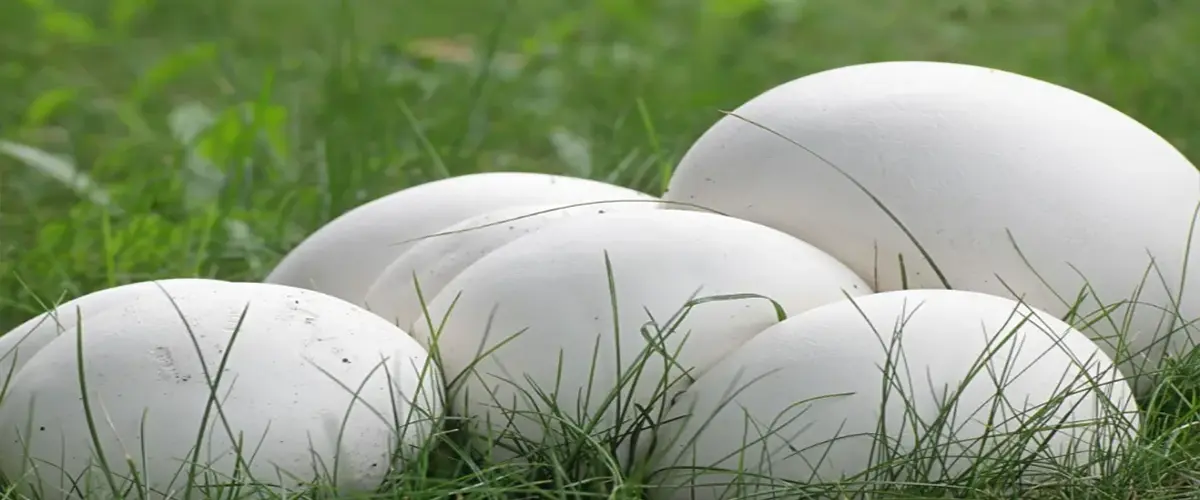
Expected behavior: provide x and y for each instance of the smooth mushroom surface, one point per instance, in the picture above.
(554, 321)
(922, 382)
(344, 257)
(1009, 185)
(308, 388)
(433, 262)
(23, 342)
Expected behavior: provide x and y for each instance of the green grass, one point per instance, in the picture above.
(320, 106)
(317, 106)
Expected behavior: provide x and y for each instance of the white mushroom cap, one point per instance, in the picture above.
(830, 392)
(976, 163)
(344, 257)
(539, 313)
(437, 260)
(21, 343)
(305, 373)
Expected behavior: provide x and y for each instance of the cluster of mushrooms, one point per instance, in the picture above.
(872, 254)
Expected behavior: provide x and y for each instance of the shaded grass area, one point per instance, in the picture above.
(217, 134)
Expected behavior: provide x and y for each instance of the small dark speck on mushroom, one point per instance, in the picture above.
(42, 428)
(346, 360)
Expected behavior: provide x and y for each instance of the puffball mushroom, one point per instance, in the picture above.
(311, 388)
(828, 393)
(344, 257)
(23, 342)
(540, 314)
(435, 261)
(1014, 186)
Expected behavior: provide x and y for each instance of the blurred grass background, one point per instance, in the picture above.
(217, 133)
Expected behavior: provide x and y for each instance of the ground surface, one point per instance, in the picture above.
(321, 105)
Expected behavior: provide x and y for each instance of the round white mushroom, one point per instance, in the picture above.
(1013, 186)
(309, 389)
(433, 262)
(345, 256)
(547, 325)
(919, 384)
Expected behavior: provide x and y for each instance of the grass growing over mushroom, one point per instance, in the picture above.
(143, 139)
(584, 458)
